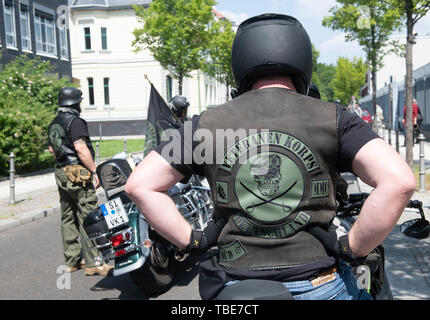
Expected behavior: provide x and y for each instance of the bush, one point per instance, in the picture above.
(28, 102)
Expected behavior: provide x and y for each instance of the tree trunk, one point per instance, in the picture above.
(374, 95)
(180, 83)
(374, 63)
(408, 85)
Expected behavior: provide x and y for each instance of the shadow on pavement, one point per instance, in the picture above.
(185, 273)
(124, 284)
(407, 265)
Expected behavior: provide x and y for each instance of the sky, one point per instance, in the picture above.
(331, 44)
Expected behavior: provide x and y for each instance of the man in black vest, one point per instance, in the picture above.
(70, 144)
(272, 156)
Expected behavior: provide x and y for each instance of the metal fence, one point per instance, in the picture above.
(420, 91)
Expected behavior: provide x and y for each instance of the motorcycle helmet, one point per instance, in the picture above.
(314, 92)
(271, 44)
(178, 104)
(69, 96)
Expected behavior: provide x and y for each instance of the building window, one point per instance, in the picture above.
(87, 37)
(24, 17)
(91, 91)
(169, 87)
(106, 90)
(64, 43)
(104, 38)
(9, 21)
(45, 33)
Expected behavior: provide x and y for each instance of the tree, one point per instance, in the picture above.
(220, 43)
(28, 102)
(176, 33)
(370, 23)
(349, 78)
(411, 11)
(326, 74)
(322, 76)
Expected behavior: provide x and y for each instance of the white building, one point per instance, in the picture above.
(394, 69)
(112, 75)
(395, 66)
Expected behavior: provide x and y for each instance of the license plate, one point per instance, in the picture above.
(114, 213)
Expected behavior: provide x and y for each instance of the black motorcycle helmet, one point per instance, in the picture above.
(69, 97)
(314, 92)
(271, 44)
(178, 104)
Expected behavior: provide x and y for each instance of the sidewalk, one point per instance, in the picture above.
(407, 259)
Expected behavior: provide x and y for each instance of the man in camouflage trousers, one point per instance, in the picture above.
(70, 144)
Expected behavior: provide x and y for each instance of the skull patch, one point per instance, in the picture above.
(266, 170)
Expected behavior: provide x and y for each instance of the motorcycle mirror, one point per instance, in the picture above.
(416, 228)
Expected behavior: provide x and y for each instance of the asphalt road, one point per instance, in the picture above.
(31, 268)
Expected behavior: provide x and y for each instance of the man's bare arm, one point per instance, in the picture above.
(147, 187)
(51, 151)
(380, 166)
(86, 157)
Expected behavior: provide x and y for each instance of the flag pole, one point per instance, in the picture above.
(170, 110)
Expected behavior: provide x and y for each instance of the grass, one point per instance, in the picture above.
(109, 148)
(416, 171)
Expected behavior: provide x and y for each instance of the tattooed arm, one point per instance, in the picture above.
(86, 157)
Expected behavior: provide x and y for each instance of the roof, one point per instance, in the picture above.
(217, 14)
(105, 4)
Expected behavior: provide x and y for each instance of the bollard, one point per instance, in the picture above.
(421, 139)
(12, 178)
(97, 153)
(397, 141)
(125, 146)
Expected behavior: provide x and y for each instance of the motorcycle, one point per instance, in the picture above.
(370, 276)
(121, 233)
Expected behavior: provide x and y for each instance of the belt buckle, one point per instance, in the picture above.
(324, 277)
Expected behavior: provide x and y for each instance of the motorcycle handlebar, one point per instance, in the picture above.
(415, 204)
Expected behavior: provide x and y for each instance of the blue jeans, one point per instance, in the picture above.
(343, 287)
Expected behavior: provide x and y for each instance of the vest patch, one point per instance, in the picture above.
(222, 192)
(275, 138)
(231, 252)
(269, 186)
(56, 134)
(272, 232)
(320, 188)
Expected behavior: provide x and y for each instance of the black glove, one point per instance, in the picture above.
(338, 247)
(203, 240)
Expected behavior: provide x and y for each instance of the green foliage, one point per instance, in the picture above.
(28, 95)
(349, 78)
(326, 74)
(369, 22)
(176, 33)
(219, 52)
(322, 76)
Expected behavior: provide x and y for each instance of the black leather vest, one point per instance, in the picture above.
(61, 142)
(273, 176)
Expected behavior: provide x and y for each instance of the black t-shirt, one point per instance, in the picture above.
(78, 129)
(353, 131)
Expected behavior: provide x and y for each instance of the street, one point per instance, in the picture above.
(31, 269)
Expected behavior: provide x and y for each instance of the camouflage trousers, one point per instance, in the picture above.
(76, 203)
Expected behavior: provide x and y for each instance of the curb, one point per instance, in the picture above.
(27, 217)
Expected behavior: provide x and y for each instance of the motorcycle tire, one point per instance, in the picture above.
(153, 280)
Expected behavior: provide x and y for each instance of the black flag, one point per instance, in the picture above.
(158, 119)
